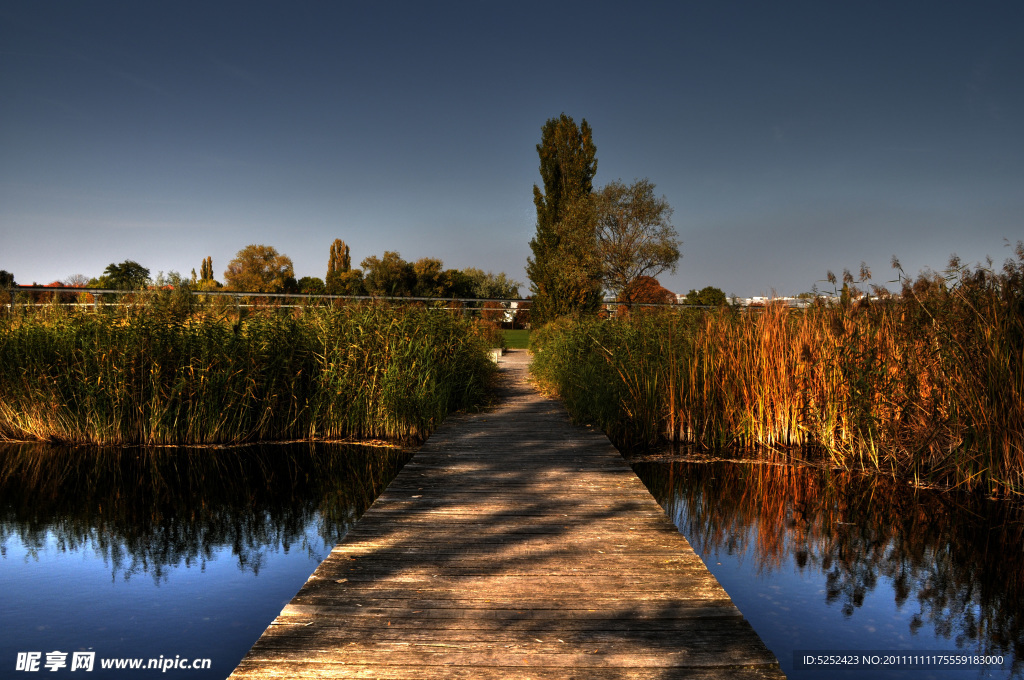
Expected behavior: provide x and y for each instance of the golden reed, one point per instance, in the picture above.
(927, 384)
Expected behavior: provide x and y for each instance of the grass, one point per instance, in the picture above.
(928, 385)
(153, 373)
(517, 339)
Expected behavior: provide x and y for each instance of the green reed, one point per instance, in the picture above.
(145, 375)
(928, 384)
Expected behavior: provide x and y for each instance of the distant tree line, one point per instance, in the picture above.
(260, 268)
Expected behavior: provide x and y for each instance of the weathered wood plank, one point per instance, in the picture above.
(524, 623)
(513, 656)
(326, 670)
(512, 545)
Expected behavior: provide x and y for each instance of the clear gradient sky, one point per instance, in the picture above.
(790, 137)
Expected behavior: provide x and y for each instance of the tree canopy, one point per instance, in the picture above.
(346, 283)
(260, 269)
(311, 285)
(339, 279)
(635, 237)
(489, 285)
(389, 275)
(574, 281)
(340, 259)
(708, 296)
(128, 275)
(647, 290)
(430, 277)
(562, 271)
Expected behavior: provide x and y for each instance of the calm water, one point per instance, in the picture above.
(819, 561)
(190, 553)
(179, 553)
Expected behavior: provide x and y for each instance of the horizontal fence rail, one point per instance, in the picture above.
(467, 304)
(254, 294)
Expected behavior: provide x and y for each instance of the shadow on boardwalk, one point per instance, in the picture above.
(512, 545)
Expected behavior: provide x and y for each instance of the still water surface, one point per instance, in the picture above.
(185, 553)
(190, 553)
(828, 561)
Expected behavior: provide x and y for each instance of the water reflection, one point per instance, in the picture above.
(145, 510)
(956, 560)
(142, 553)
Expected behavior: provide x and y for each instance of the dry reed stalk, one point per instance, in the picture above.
(927, 386)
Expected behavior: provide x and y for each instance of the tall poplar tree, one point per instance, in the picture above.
(339, 263)
(565, 273)
(340, 259)
(206, 269)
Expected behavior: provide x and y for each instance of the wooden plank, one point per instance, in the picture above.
(327, 670)
(512, 545)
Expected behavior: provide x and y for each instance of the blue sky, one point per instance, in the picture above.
(790, 138)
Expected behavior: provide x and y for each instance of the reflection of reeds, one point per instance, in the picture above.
(929, 384)
(146, 509)
(948, 553)
(136, 375)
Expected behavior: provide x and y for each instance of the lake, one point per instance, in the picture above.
(178, 554)
(171, 553)
(851, 562)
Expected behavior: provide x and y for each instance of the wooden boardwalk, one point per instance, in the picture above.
(512, 545)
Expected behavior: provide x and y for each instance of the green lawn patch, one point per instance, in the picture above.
(517, 339)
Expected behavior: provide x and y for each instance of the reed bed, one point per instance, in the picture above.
(928, 384)
(151, 374)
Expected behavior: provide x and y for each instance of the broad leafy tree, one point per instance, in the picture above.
(491, 285)
(311, 285)
(458, 284)
(260, 269)
(128, 275)
(6, 281)
(644, 290)
(79, 281)
(389, 275)
(430, 278)
(521, 319)
(635, 237)
(647, 290)
(708, 296)
(347, 283)
(562, 271)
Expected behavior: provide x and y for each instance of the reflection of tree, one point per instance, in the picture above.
(143, 510)
(958, 557)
